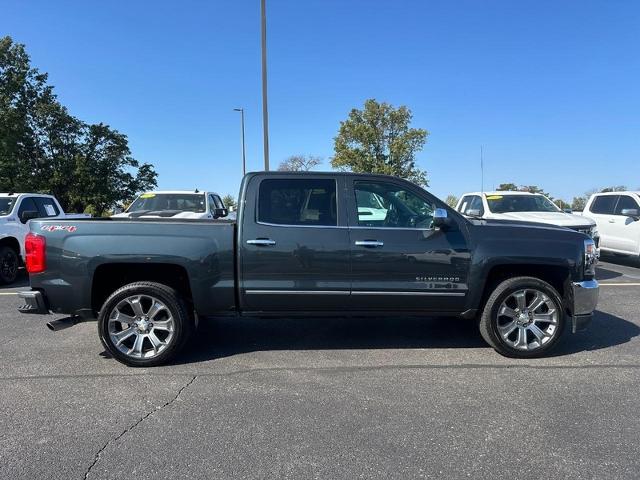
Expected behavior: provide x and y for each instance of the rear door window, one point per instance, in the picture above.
(298, 201)
(46, 207)
(604, 204)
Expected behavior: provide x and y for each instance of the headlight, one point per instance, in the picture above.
(590, 257)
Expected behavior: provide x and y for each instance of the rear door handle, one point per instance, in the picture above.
(612, 221)
(369, 243)
(263, 242)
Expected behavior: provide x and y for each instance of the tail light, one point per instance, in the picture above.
(35, 255)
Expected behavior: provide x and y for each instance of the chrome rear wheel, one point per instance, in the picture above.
(141, 326)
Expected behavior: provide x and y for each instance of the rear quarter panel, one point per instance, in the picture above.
(76, 248)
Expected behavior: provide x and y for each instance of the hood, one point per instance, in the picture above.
(160, 214)
(561, 219)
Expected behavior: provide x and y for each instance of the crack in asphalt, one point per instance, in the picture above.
(138, 422)
(337, 369)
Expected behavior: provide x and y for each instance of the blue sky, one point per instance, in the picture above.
(550, 89)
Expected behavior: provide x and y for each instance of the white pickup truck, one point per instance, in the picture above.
(618, 217)
(177, 204)
(525, 207)
(16, 209)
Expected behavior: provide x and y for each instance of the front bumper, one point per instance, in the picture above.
(584, 298)
(34, 302)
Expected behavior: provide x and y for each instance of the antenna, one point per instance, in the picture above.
(481, 171)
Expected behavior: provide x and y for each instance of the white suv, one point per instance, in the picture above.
(16, 209)
(618, 217)
(526, 207)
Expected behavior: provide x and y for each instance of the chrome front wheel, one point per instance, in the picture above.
(522, 317)
(528, 319)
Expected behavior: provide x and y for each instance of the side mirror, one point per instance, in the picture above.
(567, 210)
(473, 212)
(27, 215)
(118, 210)
(219, 212)
(441, 218)
(631, 212)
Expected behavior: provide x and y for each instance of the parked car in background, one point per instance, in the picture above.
(617, 215)
(16, 209)
(177, 204)
(302, 246)
(526, 207)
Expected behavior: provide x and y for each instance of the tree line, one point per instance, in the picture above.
(89, 167)
(45, 149)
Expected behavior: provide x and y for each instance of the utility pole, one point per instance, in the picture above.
(481, 170)
(265, 112)
(244, 158)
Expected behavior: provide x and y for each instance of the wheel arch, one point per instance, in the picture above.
(109, 277)
(558, 276)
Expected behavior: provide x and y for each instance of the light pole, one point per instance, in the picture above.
(244, 159)
(265, 113)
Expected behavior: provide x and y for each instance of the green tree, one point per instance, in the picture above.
(378, 139)
(452, 201)
(534, 189)
(507, 187)
(45, 149)
(230, 202)
(615, 188)
(578, 203)
(299, 163)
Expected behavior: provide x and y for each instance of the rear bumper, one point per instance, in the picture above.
(584, 297)
(34, 302)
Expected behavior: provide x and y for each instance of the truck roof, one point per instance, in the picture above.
(501, 192)
(16, 194)
(617, 193)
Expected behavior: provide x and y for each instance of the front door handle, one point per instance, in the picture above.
(612, 220)
(263, 242)
(369, 243)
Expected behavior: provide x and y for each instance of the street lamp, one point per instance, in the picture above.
(244, 160)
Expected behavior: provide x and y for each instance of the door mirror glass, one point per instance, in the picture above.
(631, 212)
(473, 212)
(567, 210)
(27, 215)
(441, 218)
(219, 212)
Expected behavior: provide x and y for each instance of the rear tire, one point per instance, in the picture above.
(9, 263)
(144, 324)
(523, 318)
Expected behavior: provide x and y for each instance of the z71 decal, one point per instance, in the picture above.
(56, 228)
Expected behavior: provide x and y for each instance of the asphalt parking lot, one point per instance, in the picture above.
(317, 398)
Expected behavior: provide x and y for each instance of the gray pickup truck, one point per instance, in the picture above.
(328, 244)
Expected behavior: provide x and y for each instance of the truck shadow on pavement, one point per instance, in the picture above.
(223, 337)
(21, 282)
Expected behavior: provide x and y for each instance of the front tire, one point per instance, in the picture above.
(523, 318)
(144, 324)
(9, 263)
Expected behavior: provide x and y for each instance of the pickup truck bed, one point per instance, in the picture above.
(315, 244)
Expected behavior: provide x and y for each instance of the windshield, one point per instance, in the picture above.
(185, 202)
(520, 203)
(6, 205)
